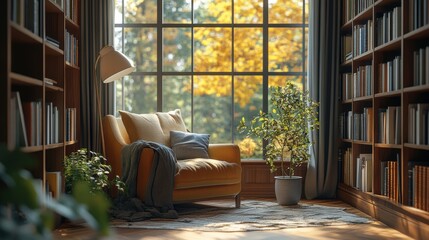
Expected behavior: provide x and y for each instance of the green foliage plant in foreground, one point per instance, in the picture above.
(26, 212)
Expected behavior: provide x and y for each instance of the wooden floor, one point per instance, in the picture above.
(374, 230)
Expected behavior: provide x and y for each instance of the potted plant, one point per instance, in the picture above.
(91, 167)
(286, 128)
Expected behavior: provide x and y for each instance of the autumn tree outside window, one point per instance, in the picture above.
(213, 59)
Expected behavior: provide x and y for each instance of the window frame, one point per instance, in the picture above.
(265, 73)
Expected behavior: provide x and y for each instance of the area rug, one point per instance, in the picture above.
(252, 216)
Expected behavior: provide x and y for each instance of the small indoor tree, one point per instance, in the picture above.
(286, 127)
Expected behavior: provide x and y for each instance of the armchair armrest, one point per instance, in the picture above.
(226, 151)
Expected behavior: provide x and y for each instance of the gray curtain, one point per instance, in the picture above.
(323, 72)
(97, 32)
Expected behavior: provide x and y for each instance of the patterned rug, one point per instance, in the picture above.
(252, 216)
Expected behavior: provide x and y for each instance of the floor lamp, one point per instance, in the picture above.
(113, 66)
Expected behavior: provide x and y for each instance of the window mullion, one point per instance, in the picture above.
(160, 44)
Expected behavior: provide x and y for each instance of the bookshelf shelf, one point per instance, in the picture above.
(69, 143)
(389, 46)
(366, 56)
(397, 66)
(54, 146)
(70, 24)
(363, 99)
(381, 4)
(396, 93)
(416, 146)
(32, 149)
(20, 79)
(413, 89)
(53, 50)
(362, 142)
(54, 88)
(383, 145)
(347, 26)
(364, 15)
(21, 34)
(420, 33)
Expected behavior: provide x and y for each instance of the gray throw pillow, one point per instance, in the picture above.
(189, 145)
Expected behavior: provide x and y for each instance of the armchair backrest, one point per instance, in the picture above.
(115, 137)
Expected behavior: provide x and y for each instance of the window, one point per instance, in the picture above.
(213, 59)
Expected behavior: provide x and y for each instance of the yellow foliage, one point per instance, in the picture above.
(247, 147)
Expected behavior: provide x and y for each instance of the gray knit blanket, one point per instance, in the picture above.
(158, 201)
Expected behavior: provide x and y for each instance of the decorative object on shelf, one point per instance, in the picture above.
(91, 167)
(286, 129)
(113, 66)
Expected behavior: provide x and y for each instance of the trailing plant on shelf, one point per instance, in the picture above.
(91, 167)
(286, 127)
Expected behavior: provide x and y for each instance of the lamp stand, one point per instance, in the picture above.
(97, 95)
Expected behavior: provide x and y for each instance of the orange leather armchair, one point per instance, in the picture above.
(198, 179)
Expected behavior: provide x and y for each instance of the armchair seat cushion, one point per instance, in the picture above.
(202, 172)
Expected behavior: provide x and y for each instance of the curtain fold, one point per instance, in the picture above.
(323, 72)
(96, 32)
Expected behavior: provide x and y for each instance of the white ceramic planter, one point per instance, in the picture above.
(288, 189)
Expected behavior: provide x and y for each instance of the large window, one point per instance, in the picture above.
(213, 59)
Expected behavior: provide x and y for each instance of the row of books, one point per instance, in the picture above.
(26, 122)
(389, 125)
(420, 12)
(71, 49)
(362, 81)
(421, 66)
(354, 7)
(346, 125)
(347, 88)
(418, 123)
(28, 13)
(388, 26)
(348, 169)
(26, 119)
(52, 124)
(389, 75)
(71, 124)
(357, 172)
(362, 125)
(364, 172)
(71, 10)
(418, 184)
(390, 179)
(363, 38)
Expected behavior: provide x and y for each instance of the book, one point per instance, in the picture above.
(359, 171)
(366, 171)
(20, 132)
(28, 110)
(54, 182)
(399, 178)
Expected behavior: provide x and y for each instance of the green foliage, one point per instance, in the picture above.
(286, 127)
(92, 168)
(26, 212)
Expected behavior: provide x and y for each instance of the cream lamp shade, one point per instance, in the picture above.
(114, 65)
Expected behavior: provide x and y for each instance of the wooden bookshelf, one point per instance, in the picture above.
(33, 64)
(397, 49)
